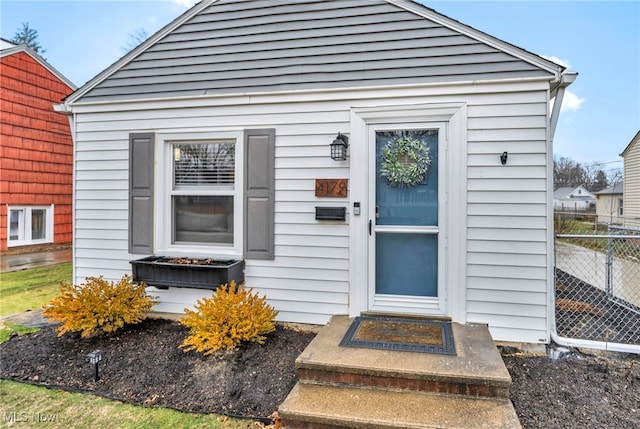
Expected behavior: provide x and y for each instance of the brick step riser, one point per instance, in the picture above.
(334, 378)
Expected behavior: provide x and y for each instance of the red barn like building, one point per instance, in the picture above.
(36, 151)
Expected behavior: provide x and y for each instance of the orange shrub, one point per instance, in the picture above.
(99, 305)
(231, 316)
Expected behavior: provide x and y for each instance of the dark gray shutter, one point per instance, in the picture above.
(259, 193)
(141, 162)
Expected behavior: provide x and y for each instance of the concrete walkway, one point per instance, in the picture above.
(28, 319)
(27, 261)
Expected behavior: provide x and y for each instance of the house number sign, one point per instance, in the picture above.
(331, 188)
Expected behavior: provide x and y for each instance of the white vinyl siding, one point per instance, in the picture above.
(311, 263)
(308, 281)
(507, 259)
(631, 180)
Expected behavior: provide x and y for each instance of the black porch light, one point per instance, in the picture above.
(339, 148)
(503, 158)
(94, 358)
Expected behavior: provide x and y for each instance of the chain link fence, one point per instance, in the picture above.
(597, 283)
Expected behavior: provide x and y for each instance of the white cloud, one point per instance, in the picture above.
(185, 3)
(557, 60)
(571, 102)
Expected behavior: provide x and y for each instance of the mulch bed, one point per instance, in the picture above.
(143, 364)
(576, 391)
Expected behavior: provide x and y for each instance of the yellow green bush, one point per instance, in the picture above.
(99, 305)
(232, 315)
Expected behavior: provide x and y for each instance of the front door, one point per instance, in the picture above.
(406, 210)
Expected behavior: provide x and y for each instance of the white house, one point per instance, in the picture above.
(460, 227)
(573, 199)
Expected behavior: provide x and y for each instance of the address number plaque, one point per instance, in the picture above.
(331, 188)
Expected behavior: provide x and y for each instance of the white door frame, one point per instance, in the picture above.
(454, 116)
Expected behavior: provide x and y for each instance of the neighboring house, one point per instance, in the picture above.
(610, 205)
(37, 151)
(212, 138)
(631, 181)
(573, 199)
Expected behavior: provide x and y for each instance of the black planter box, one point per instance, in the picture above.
(161, 272)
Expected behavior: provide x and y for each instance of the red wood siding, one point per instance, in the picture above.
(36, 149)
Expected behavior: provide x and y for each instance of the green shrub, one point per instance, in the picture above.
(99, 305)
(231, 316)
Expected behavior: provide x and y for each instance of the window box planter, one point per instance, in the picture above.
(199, 273)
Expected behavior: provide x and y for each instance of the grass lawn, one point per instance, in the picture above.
(24, 405)
(31, 289)
(8, 328)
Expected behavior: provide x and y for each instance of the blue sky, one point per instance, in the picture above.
(598, 39)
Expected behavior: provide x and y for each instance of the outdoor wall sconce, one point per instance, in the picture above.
(339, 148)
(94, 358)
(503, 158)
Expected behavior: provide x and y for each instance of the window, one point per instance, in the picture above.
(30, 225)
(620, 207)
(202, 208)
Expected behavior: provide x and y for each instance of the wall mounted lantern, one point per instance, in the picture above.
(503, 158)
(339, 148)
(94, 358)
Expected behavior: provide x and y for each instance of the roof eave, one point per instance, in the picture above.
(40, 60)
(634, 140)
(555, 69)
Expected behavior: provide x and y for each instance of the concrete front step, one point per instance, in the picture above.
(476, 370)
(311, 406)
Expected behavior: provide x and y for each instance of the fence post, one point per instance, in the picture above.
(609, 262)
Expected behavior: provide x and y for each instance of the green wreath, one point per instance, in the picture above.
(405, 161)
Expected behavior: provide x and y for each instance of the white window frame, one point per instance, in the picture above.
(164, 192)
(24, 234)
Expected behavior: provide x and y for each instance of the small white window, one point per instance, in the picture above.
(620, 207)
(30, 225)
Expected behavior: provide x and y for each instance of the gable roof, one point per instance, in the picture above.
(15, 49)
(221, 47)
(567, 191)
(631, 144)
(615, 189)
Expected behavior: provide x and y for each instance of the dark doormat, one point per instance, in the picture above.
(395, 334)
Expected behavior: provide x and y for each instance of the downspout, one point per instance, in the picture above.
(559, 87)
(566, 79)
(65, 108)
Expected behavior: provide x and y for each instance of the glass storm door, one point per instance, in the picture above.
(406, 217)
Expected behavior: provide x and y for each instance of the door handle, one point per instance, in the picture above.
(370, 226)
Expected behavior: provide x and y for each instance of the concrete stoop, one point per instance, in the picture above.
(341, 387)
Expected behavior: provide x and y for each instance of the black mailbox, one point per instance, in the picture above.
(331, 213)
